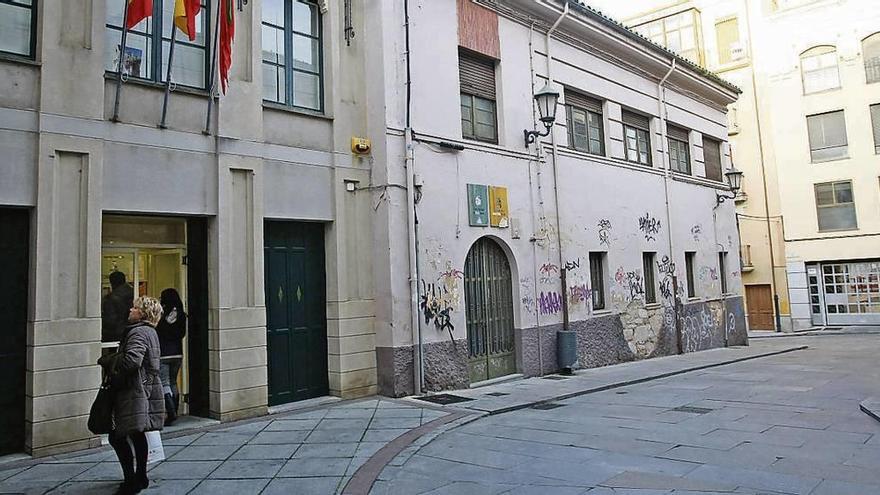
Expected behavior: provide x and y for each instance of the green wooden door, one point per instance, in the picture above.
(13, 331)
(488, 295)
(296, 320)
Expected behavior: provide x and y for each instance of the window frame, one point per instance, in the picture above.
(157, 38)
(727, 50)
(649, 263)
(639, 133)
(681, 146)
(719, 177)
(722, 271)
(665, 33)
(288, 33)
(818, 51)
(875, 67)
(473, 118)
(598, 279)
(836, 204)
(32, 42)
(844, 146)
(874, 111)
(689, 266)
(572, 143)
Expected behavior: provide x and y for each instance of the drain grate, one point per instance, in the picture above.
(497, 394)
(547, 406)
(693, 410)
(443, 399)
(555, 377)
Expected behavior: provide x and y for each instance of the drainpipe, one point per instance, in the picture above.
(411, 221)
(667, 177)
(532, 207)
(566, 340)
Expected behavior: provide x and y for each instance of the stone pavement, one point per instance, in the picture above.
(783, 424)
(307, 452)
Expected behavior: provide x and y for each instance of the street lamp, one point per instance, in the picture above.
(547, 99)
(734, 181)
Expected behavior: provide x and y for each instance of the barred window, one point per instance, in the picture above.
(871, 57)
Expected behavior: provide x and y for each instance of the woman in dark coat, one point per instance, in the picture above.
(138, 403)
(171, 330)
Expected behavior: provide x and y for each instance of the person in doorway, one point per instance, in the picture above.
(171, 330)
(114, 308)
(138, 403)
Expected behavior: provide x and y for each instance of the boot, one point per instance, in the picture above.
(170, 410)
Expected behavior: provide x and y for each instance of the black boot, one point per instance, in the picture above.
(170, 410)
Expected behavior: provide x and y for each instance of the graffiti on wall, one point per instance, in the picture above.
(572, 265)
(708, 277)
(578, 294)
(666, 269)
(550, 303)
(527, 298)
(649, 226)
(437, 305)
(605, 232)
(696, 230)
(548, 273)
(629, 285)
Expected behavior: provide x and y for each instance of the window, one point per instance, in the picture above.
(819, 69)
(678, 32)
(597, 279)
(584, 123)
(871, 56)
(146, 50)
(712, 158)
(727, 36)
(477, 80)
(689, 259)
(827, 133)
(17, 33)
(679, 156)
(875, 125)
(636, 132)
(648, 267)
(722, 271)
(835, 206)
(292, 59)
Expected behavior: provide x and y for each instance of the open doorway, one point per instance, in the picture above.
(153, 253)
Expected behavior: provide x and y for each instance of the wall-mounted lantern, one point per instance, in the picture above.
(734, 179)
(547, 98)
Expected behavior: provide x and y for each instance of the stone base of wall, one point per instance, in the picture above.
(639, 332)
(445, 367)
(394, 366)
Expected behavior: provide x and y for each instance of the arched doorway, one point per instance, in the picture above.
(489, 300)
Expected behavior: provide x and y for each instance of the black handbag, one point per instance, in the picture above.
(101, 414)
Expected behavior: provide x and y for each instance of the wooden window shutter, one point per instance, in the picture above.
(712, 158)
(579, 100)
(476, 75)
(677, 133)
(636, 120)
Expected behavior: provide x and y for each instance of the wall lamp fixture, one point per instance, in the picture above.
(547, 98)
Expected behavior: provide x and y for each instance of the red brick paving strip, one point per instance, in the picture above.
(365, 476)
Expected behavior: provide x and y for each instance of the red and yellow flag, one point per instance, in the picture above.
(185, 13)
(227, 33)
(138, 10)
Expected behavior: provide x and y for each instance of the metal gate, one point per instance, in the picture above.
(489, 300)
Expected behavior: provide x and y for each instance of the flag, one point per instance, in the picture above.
(138, 10)
(185, 12)
(227, 33)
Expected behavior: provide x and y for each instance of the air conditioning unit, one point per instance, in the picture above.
(737, 50)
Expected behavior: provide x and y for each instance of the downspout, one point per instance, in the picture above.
(409, 162)
(534, 218)
(562, 278)
(667, 177)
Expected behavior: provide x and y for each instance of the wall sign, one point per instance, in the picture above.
(498, 213)
(478, 205)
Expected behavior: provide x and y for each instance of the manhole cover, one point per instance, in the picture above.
(443, 399)
(555, 377)
(497, 394)
(547, 406)
(692, 410)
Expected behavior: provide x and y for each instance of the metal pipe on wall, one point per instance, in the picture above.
(664, 146)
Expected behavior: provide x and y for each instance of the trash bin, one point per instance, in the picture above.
(566, 350)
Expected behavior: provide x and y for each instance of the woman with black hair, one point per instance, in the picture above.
(171, 330)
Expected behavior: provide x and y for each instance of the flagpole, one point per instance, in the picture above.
(168, 76)
(115, 117)
(214, 68)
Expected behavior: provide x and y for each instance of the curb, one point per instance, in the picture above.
(871, 407)
(636, 381)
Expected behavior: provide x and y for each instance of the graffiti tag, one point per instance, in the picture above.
(605, 232)
(650, 226)
(550, 303)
